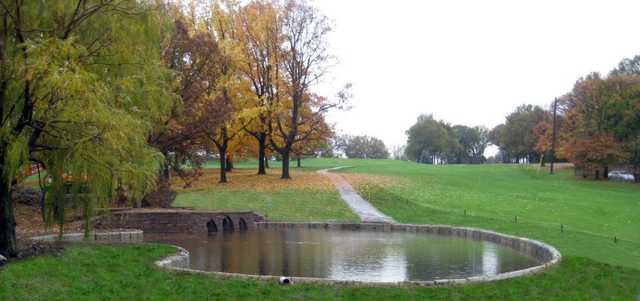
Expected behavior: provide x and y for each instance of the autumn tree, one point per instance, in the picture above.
(625, 111)
(317, 136)
(601, 124)
(228, 100)
(304, 60)
(178, 137)
(76, 97)
(261, 39)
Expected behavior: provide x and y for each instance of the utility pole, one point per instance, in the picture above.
(554, 134)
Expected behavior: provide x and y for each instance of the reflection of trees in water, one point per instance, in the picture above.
(490, 262)
(434, 257)
(375, 256)
(304, 253)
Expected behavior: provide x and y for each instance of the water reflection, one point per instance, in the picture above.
(347, 255)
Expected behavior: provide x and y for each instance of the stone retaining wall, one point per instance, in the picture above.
(545, 254)
(177, 220)
(125, 235)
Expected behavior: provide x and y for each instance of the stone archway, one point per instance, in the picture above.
(212, 227)
(242, 224)
(227, 224)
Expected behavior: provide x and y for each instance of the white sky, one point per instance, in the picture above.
(467, 62)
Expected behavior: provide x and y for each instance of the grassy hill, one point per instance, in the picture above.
(594, 266)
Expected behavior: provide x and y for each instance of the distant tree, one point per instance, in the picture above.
(428, 140)
(471, 143)
(326, 149)
(628, 66)
(363, 147)
(398, 152)
(516, 137)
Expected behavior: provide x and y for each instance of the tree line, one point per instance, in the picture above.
(361, 147)
(595, 126)
(113, 96)
(438, 142)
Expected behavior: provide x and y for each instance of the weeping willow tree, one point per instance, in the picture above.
(81, 87)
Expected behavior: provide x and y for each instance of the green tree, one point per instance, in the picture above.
(364, 147)
(428, 140)
(516, 137)
(76, 96)
(471, 143)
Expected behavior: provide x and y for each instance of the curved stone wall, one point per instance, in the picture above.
(545, 254)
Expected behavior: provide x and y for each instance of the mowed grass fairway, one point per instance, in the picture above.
(593, 213)
(594, 267)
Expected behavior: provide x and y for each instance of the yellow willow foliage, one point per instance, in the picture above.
(95, 91)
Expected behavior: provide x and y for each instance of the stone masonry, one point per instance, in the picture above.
(178, 220)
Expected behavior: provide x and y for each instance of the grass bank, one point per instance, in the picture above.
(594, 267)
(598, 220)
(127, 273)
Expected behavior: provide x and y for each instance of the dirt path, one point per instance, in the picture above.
(364, 209)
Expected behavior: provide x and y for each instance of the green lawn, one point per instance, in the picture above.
(127, 273)
(593, 213)
(287, 204)
(306, 197)
(594, 267)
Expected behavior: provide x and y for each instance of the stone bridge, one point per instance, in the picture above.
(178, 221)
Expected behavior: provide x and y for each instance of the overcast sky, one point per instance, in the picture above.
(467, 62)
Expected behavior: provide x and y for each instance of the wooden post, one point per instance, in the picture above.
(554, 135)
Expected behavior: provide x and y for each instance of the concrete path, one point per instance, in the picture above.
(364, 209)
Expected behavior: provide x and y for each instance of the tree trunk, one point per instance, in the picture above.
(299, 164)
(7, 220)
(605, 174)
(229, 164)
(636, 173)
(542, 160)
(166, 172)
(266, 163)
(262, 157)
(597, 177)
(223, 167)
(285, 166)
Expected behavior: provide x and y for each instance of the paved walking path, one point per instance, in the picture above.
(364, 209)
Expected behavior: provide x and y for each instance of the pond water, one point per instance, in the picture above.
(346, 254)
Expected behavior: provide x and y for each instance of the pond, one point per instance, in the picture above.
(346, 254)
